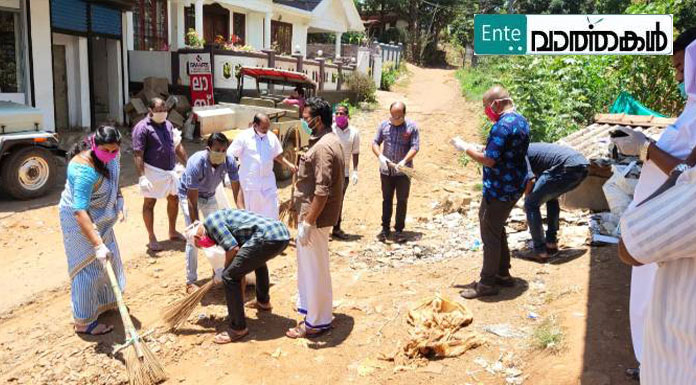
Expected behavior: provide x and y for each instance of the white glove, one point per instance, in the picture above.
(145, 184)
(631, 144)
(217, 277)
(303, 233)
(121, 207)
(459, 144)
(401, 164)
(102, 253)
(384, 161)
(354, 177)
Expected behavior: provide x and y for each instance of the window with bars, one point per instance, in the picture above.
(150, 25)
(281, 36)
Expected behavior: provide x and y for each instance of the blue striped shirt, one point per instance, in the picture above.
(230, 228)
(398, 141)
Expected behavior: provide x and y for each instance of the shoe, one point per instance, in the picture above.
(552, 249)
(383, 235)
(506, 281)
(633, 374)
(400, 237)
(532, 255)
(339, 234)
(477, 289)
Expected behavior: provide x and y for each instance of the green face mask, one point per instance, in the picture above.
(306, 127)
(217, 158)
(682, 90)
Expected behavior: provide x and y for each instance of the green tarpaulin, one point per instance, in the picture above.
(626, 104)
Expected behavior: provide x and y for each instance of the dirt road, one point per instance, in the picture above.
(584, 292)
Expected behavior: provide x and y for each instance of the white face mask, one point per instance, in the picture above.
(159, 117)
(259, 133)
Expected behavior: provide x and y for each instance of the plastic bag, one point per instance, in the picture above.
(618, 190)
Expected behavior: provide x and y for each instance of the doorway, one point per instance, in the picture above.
(105, 78)
(60, 88)
(216, 21)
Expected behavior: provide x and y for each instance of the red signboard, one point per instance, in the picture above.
(201, 89)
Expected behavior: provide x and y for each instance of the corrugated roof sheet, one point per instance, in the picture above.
(593, 140)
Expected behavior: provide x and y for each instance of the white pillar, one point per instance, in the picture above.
(267, 31)
(199, 18)
(129, 33)
(43, 60)
(84, 82)
(338, 44)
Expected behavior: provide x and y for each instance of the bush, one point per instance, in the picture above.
(560, 94)
(363, 85)
(390, 74)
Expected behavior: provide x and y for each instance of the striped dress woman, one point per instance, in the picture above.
(92, 201)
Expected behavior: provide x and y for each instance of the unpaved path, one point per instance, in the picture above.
(585, 291)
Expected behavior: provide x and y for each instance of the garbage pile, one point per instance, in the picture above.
(178, 105)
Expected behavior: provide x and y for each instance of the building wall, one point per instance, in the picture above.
(78, 85)
(42, 59)
(142, 64)
(254, 36)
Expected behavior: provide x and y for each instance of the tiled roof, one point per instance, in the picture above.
(305, 5)
(593, 140)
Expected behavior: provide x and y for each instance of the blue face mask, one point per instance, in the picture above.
(682, 90)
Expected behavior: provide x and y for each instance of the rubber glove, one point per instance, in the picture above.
(630, 145)
(384, 161)
(354, 177)
(102, 253)
(145, 183)
(303, 233)
(217, 277)
(460, 144)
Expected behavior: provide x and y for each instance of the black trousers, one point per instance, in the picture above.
(493, 214)
(248, 259)
(402, 186)
(340, 215)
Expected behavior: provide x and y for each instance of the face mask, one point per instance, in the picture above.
(492, 115)
(682, 90)
(308, 127)
(205, 242)
(259, 133)
(159, 117)
(216, 157)
(104, 156)
(342, 121)
(395, 122)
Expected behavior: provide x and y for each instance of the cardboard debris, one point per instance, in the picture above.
(136, 106)
(176, 119)
(182, 105)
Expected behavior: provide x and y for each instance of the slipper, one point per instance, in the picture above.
(301, 331)
(154, 246)
(230, 336)
(258, 306)
(92, 326)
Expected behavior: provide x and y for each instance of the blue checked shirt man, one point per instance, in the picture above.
(506, 176)
(249, 241)
(400, 141)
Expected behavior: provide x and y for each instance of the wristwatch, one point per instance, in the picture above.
(680, 168)
(644, 150)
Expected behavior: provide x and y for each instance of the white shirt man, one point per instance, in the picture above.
(257, 148)
(349, 137)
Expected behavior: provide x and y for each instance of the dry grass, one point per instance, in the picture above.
(549, 336)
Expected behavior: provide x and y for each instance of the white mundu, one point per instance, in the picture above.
(256, 154)
(669, 343)
(315, 299)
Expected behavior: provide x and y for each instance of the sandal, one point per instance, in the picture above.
(258, 305)
(91, 329)
(302, 331)
(191, 288)
(230, 335)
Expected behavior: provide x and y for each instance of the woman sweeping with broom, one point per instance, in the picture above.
(89, 208)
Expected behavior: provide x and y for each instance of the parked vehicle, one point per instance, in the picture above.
(27, 153)
(231, 118)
